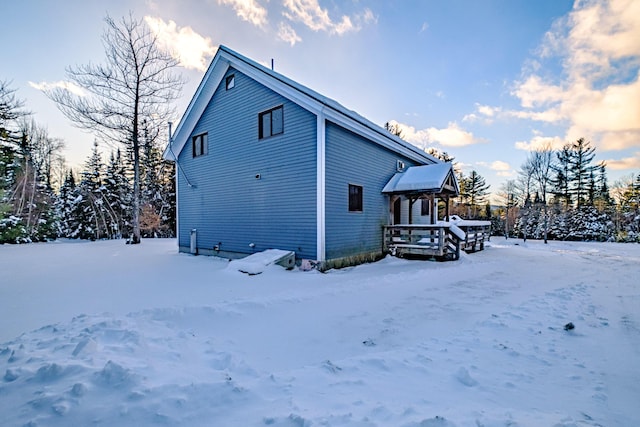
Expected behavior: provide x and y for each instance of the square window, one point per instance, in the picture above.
(199, 145)
(355, 198)
(271, 122)
(230, 82)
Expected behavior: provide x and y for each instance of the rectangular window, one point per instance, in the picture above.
(199, 145)
(271, 122)
(355, 198)
(230, 82)
(425, 209)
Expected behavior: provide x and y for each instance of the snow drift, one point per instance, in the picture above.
(107, 334)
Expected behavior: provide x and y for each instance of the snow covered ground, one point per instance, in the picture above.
(107, 334)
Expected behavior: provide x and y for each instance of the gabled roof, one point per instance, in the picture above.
(436, 178)
(301, 95)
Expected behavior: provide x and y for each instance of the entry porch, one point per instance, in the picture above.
(436, 233)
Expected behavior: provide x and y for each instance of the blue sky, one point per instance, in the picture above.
(485, 80)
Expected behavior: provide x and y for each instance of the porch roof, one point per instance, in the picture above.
(428, 179)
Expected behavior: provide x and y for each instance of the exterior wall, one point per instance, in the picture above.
(416, 217)
(351, 159)
(228, 206)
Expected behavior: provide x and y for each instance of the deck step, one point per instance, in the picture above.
(258, 262)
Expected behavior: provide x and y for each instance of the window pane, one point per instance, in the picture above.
(231, 81)
(355, 198)
(265, 125)
(424, 211)
(277, 122)
(203, 140)
(199, 145)
(197, 150)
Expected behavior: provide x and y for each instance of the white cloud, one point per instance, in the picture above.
(367, 17)
(312, 15)
(190, 48)
(499, 165)
(425, 27)
(248, 10)
(501, 168)
(599, 97)
(451, 136)
(485, 114)
(611, 141)
(472, 117)
(288, 34)
(539, 142)
(627, 163)
(70, 86)
(487, 110)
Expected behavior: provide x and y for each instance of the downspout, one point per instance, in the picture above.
(175, 158)
(320, 186)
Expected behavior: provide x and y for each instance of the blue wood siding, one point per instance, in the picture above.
(352, 159)
(227, 204)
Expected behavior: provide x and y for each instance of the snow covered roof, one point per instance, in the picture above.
(301, 95)
(436, 178)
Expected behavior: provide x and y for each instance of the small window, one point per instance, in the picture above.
(230, 82)
(425, 209)
(199, 144)
(271, 122)
(355, 198)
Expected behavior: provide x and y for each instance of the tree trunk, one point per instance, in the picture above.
(135, 239)
(136, 194)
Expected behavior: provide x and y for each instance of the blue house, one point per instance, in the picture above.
(264, 162)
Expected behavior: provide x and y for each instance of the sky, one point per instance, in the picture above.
(486, 81)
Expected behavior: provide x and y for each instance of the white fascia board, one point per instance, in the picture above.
(199, 102)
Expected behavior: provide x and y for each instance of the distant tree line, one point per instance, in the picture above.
(558, 194)
(563, 195)
(41, 199)
(125, 104)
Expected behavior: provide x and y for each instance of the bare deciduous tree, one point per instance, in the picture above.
(508, 195)
(540, 163)
(136, 84)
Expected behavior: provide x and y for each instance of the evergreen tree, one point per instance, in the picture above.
(580, 170)
(560, 182)
(476, 190)
(118, 194)
(65, 205)
(97, 220)
(394, 129)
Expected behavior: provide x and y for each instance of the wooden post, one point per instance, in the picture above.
(392, 210)
(411, 202)
(446, 208)
(434, 212)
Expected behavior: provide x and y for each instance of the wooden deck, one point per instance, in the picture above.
(442, 241)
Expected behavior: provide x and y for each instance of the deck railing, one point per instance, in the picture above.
(476, 233)
(442, 241)
(433, 240)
